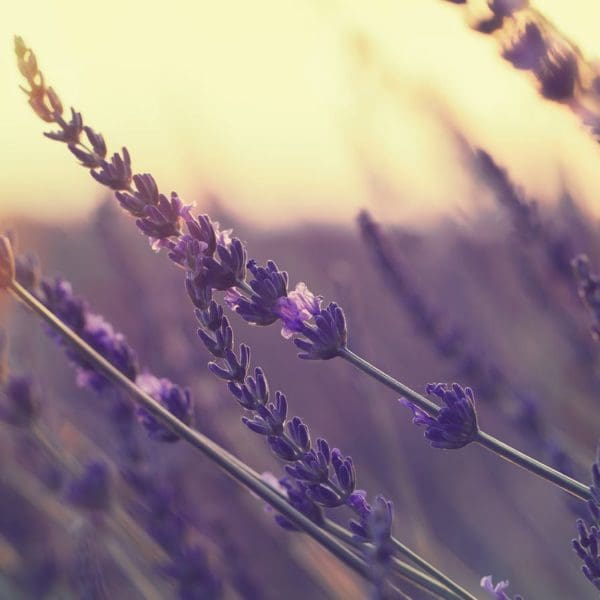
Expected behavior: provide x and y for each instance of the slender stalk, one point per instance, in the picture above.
(344, 535)
(512, 455)
(232, 466)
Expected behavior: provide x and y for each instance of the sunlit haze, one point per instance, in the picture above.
(288, 109)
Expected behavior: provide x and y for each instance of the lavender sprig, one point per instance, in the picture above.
(512, 455)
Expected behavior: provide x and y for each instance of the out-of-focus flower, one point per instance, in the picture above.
(455, 425)
(21, 403)
(58, 296)
(92, 490)
(496, 591)
(172, 397)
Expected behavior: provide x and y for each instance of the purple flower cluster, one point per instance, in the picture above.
(455, 425)
(318, 476)
(58, 296)
(587, 544)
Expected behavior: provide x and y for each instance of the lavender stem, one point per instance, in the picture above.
(346, 536)
(227, 462)
(516, 457)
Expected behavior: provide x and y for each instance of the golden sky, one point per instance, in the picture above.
(287, 108)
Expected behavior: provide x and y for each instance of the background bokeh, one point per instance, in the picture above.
(283, 120)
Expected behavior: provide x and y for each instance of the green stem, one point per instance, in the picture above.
(512, 455)
(232, 466)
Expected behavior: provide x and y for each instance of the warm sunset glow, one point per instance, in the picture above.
(288, 108)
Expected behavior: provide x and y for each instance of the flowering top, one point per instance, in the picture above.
(455, 425)
(176, 400)
(496, 591)
(58, 296)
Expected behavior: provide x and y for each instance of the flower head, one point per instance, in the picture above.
(455, 425)
(326, 338)
(296, 309)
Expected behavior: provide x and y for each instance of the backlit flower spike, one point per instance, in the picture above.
(455, 425)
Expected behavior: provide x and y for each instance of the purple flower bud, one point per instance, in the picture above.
(70, 132)
(296, 309)
(233, 369)
(269, 286)
(455, 425)
(326, 338)
(91, 491)
(115, 174)
(22, 405)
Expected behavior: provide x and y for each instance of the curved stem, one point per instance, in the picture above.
(232, 466)
(512, 455)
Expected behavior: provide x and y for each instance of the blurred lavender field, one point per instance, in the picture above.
(464, 510)
(97, 503)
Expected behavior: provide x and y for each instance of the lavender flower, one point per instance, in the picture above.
(327, 337)
(589, 290)
(587, 544)
(455, 425)
(176, 400)
(58, 296)
(497, 591)
(22, 404)
(91, 491)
